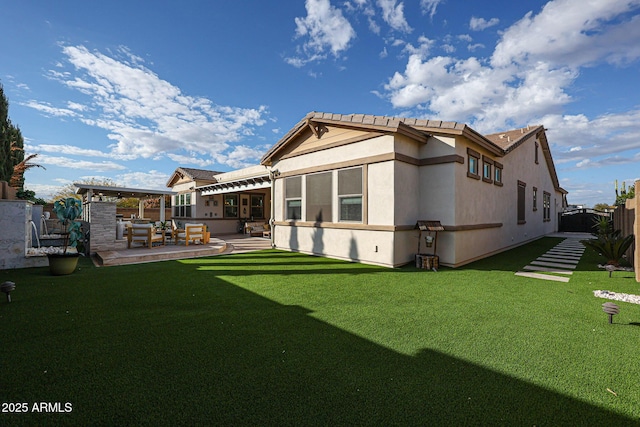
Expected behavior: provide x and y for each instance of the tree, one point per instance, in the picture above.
(601, 207)
(69, 190)
(11, 141)
(624, 194)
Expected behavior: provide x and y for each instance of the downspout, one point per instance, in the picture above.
(272, 175)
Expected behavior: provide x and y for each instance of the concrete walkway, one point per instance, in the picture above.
(558, 263)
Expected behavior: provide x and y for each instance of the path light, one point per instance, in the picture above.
(7, 287)
(611, 309)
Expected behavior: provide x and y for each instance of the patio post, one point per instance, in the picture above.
(162, 219)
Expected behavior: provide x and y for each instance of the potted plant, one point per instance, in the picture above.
(68, 211)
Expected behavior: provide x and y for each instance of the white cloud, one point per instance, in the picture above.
(66, 150)
(144, 115)
(572, 33)
(69, 163)
(393, 14)
(429, 7)
(49, 110)
(532, 67)
(152, 180)
(242, 156)
(325, 28)
(479, 24)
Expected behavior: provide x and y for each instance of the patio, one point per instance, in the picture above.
(235, 243)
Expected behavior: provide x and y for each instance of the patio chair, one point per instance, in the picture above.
(191, 233)
(143, 233)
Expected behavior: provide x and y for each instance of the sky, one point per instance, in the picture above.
(129, 91)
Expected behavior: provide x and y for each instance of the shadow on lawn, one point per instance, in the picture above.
(232, 357)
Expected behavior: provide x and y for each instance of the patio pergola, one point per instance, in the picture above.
(90, 191)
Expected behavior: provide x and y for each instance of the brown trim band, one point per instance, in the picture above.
(354, 226)
(336, 225)
(452, 158)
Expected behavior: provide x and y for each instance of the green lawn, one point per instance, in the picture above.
(277, 338)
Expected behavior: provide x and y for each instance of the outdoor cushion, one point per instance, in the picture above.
(191, 232)
(143, 233)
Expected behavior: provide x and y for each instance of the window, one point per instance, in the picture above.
(182, 205)
(486, 169)
(318, 197)
(546, 206)
(473, 158)
(350, 194)
(293, 197)
(230, 205)
(257, 206)
(537, 149)
(535, 199)
(521, 202)
(497, 173)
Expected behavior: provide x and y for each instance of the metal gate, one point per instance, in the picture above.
(580, 220)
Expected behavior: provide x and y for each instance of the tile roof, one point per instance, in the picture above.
(199, 174)
(510, 139)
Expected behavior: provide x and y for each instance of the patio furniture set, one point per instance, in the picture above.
(148, 234)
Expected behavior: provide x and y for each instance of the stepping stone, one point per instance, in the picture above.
(560, 260)
(563, 256)
(554, 264)
(546, 269)
(542, 276)
(575, 253)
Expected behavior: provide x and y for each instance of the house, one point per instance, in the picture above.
(225, 202)
(354, 187)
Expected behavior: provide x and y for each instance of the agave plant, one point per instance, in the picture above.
(68, 210)
(612, 247)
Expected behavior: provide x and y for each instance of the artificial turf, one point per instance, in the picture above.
(278, 338)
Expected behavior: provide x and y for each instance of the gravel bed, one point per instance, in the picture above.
(634, 299)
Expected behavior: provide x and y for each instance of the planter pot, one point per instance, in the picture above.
(62, 264)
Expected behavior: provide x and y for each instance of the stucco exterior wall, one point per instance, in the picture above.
(408, 180)
(15, 216)
(370, 247)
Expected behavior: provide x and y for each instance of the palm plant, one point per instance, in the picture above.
(611, 246)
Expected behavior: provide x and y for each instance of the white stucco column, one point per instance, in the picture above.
(162, 219)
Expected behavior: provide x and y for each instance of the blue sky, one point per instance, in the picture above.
(131, 90)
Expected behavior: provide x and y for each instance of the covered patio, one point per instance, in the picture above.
(99, 213)
(98, 193)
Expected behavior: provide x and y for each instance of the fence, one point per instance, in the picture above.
(627, 219)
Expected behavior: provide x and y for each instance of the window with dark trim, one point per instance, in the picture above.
(230, 206)
(182, 205)
(318, 197)
(257, 206)
(546, 206)
(535, 199)
(350, 194)
(497, 173)
(537, 149)
(293, 198)
(473, 160)
(486, 169)
(521, 202)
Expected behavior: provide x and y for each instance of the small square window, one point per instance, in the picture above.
(473, 160)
